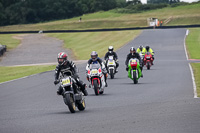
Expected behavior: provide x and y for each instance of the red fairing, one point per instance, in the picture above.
(88, 71)
(147, 57)
(134, 65)
(99, 70)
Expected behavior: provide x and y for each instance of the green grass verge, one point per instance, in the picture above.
(193, 43)
(196, 69)
(82, 44)
(193, 46)
(9, 40)
(185, 14)
(11, 73)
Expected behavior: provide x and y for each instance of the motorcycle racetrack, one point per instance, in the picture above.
(162, 101)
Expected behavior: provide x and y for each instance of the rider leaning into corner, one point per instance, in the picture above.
(133, 54)
(66, 65)
(148, 49)
(94, 60)
(111, 53)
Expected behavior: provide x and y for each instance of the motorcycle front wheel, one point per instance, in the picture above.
(148, 65)
(134, 77)
(111, 73)
(70, 103)
(96, 87)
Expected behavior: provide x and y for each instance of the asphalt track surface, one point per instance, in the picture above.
(162, 101)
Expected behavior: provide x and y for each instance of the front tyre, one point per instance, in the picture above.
(96, 87)
(135, 77)
(111, 74)
(70, 102)
(148, 65)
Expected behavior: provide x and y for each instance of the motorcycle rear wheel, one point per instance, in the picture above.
(81, 106)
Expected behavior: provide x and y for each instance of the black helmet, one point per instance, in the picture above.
(94, 55)
(132, 49)
(147, 48)
(62, 58)
(110, 49)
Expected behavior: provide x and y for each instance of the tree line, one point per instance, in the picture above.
(33, 11)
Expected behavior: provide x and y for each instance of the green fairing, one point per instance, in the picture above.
(129, 71)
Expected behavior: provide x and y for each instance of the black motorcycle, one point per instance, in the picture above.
(72, 95)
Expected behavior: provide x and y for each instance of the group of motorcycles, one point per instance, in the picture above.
(74, 97)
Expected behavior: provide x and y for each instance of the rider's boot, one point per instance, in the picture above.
(105, 78)
(142, 75)
(83, 89)
(59, 91)
(141, 71)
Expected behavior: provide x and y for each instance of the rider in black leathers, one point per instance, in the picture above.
(111, 53)
(133, 54)
(94, 59)
(66, 65)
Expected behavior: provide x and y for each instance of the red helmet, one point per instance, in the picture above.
(62, 57)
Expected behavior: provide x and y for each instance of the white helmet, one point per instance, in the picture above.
(110, 49)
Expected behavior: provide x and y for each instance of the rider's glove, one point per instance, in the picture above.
(126, 68)
(56, 82)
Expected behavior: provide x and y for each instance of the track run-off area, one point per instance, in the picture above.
(162, 102)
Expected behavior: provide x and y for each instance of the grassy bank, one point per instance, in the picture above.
(186, 14)
(11, 73)
(193, 46)
(10, 40)
(82, 44)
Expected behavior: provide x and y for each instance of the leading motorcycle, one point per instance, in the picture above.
(72, 95)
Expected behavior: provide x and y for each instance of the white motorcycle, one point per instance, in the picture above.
(142, 59)
(111, 67)
(96, 78)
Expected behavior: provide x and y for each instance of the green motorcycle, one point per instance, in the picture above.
(134, 71)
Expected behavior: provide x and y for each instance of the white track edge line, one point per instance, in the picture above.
(193, 81)
(186, 54)
(191, 70)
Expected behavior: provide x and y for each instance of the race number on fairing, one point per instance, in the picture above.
(66, 81)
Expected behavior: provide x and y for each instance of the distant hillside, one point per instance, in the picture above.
(180, 15)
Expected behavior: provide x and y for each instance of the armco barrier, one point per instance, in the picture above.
(99, 30)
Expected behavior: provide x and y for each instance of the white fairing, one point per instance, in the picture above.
(111, 63)
(141, 55)
(96, 71)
